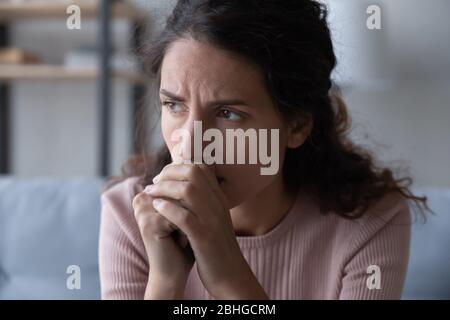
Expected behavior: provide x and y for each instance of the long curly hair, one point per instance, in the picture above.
(290, 42)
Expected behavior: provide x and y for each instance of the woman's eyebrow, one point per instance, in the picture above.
(228, 102)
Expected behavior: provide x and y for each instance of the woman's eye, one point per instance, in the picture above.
(172, 107)
(229, 115)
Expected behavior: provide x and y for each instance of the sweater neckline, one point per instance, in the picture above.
(276, 232)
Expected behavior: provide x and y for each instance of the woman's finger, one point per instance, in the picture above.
(188, 195)
(149, 221)
(179, 216)
(181, 172)
(210, 175)
(201, 175)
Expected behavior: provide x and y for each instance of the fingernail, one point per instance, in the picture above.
(148, 188)
(156, 202)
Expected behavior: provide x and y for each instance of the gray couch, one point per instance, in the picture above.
(47, 225)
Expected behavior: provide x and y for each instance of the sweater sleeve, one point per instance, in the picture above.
(123, 264)
(380, 248)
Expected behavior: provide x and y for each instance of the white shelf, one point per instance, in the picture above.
(53, 72)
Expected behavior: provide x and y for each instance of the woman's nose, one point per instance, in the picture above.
(193, 144)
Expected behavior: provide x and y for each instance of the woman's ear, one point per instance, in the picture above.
(299, 131)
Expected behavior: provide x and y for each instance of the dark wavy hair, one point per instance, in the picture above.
(290, 42)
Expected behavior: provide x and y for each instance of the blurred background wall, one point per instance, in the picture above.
(396, 82)
(55, 124)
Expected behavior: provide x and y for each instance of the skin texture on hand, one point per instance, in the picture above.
(189, 196)
(170, 258)
(163, 289)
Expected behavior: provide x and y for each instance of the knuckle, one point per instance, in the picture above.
(137, 201)
(143, 221)
(150, 223)
(154, 224)
(142, 202)
(191, 171)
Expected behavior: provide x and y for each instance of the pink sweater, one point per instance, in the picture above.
(308, 255)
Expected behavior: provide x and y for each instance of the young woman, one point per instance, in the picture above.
(329, 224)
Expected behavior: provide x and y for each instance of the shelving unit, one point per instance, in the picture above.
(55, 72)
(53, 9)
(104, 10)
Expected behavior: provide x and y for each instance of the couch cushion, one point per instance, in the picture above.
(46, 225)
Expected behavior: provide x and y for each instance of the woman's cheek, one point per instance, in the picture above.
(243, 182)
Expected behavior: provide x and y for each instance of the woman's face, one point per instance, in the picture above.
(200, 75)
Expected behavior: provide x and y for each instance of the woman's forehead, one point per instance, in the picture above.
(196, 66)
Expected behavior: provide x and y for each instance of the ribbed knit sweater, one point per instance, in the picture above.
(307, 255)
